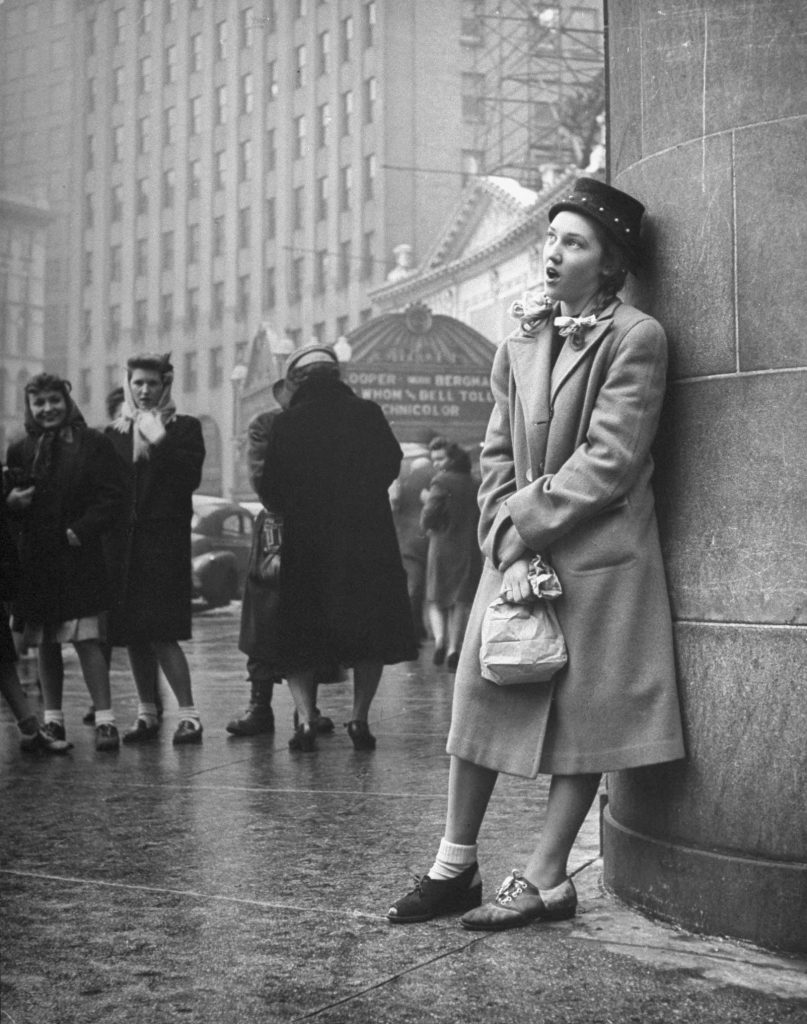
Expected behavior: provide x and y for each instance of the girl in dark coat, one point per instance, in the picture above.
(32, 736)
(68, 492)
(163, 453)
(450, 515)
(566, 471)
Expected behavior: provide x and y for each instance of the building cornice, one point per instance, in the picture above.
(417, 283)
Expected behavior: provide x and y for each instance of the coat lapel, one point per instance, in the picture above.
(573, 353)
(531, 358)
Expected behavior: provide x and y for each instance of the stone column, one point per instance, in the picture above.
(709, 129)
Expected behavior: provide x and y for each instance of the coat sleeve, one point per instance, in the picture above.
(182, 453)
(387, 454)
(258, 431)
(496, 461)
(107, 489)
(617, 444)
(435, 514)
(268, 484)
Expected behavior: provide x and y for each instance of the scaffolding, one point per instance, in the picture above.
(538, 86)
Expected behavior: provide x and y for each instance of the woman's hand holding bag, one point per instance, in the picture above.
(264, 558)
(523, 643)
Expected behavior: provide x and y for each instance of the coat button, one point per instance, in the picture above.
(529, 475)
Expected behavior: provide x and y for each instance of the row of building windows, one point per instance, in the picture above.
(322, 263)
(324, 125)
(189, 377)
(248, 21)
(168, 189)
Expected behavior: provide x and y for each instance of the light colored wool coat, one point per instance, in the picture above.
(567, 461)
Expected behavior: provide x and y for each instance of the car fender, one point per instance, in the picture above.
(210, 569)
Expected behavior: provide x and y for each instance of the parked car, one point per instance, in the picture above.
(221, 539)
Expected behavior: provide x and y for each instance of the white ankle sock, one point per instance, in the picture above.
(148, 712)
(452, 860)
(190, 713)
(104, 717)
(54, 716)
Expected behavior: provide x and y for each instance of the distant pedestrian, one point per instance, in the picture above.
(406, 500)
(163, 453)
(68, 490)
(450, 515)
(258, 630)
(566, 471)
(331, 459)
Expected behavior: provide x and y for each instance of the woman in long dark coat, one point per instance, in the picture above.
(566, 471)
(451, 515)
(330, 460)
(163, 453)
(68, 492)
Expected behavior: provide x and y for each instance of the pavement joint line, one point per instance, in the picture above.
(383, 982)
(191, 893)
(381, 794)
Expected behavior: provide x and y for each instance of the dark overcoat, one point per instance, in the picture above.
(83, 492)
(153, 589)
(567, 461)
(454, 563)
(330, 460)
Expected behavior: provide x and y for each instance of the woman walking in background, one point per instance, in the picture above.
(450, 516)
(164, 453)
(67, 491)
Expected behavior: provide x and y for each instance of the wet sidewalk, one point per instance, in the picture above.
(236, 882)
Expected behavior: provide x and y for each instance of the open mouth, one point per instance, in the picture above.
(551, 274)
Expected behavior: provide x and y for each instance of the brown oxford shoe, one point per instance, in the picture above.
(518, 902)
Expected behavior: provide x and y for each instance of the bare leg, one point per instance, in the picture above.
(470, 787)
(303, 692)
(11, 689)
(570, 798)
(174, 664)
(457, 621)
(95, 669)
(366, 677)
(51, 675)
(437, 624)
(144, 669)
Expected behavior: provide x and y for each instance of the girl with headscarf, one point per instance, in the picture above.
(67, 491)
(163, 453)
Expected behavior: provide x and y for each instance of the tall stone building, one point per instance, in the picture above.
(219, 169)
(23, 226)
(231, 163)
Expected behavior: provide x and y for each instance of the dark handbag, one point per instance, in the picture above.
(264, 558)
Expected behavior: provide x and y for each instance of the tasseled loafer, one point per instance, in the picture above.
(433, 897)
(518, 902)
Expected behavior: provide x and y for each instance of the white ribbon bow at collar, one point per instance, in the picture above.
(570, 325)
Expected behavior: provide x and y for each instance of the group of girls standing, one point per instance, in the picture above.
(96, 552)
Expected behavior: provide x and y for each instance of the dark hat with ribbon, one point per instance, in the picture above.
(617, 212)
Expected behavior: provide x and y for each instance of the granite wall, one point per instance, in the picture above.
(708, 127)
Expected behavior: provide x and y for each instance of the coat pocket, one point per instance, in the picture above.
(606, 541)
